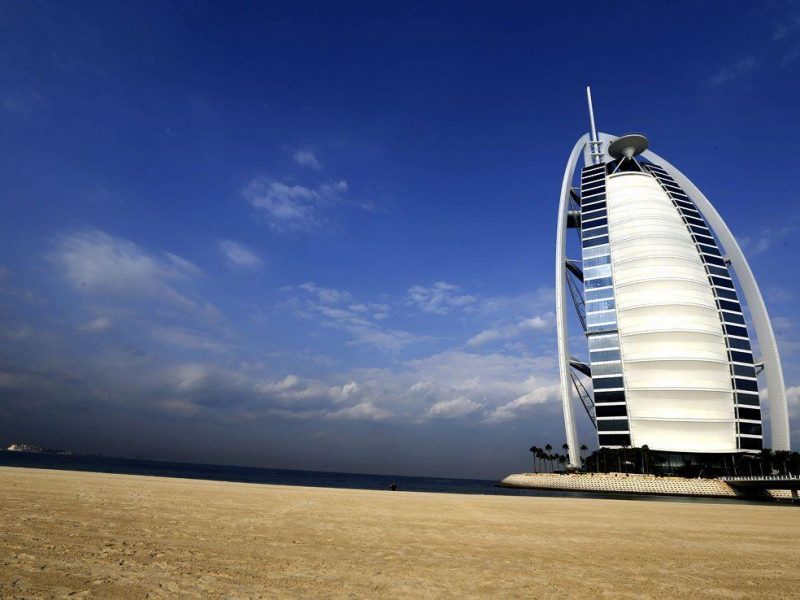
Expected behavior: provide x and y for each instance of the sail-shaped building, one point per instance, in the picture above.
(670, 353)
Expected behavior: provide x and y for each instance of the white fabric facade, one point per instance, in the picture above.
(675, 363)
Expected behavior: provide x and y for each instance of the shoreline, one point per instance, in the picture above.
(638, 484)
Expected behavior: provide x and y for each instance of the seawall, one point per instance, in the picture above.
(626, 483)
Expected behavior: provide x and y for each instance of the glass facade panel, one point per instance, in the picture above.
(599, 342)
(613, 410)
(600, 260)
(748, 399)
(739, 344)
(595, 272)
(746, 443)
(609, 368)
(747, 385)
(751, 414)
(598, 283)
(600, 383)
(600, 305)
(604, 355)
(612, 425)
(614, 439)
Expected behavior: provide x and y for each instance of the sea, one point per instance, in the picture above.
(360, 481)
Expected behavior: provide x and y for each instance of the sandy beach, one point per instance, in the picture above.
(96, 535)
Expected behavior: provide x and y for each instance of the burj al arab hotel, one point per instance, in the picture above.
(658, 282)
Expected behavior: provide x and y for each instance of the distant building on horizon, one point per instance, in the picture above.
(669, 352)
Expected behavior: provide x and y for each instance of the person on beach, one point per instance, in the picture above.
(393, 487)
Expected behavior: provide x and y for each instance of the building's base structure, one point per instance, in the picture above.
(626, 483)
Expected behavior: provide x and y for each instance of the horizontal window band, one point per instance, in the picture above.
(714, 260)
(715, 270)
(723, 282)
(614, 439)
(742, 357)
(700, 238)
(735, 318)
(591, 214)
(595, 242)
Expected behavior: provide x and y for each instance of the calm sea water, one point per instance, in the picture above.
(132, 466)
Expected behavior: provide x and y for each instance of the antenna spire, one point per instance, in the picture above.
(595, 146)
(591, 113)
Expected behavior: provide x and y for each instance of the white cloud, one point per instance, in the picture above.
(440, 298)
(537, 323)
(293, 207)
(306, 158)
(94, 262)
(452, 409)
(525, 403)
(735, 71)
(96, 325)
(361, 321)
(239, 256)
(185, 338)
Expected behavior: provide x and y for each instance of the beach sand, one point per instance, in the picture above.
(99, 535)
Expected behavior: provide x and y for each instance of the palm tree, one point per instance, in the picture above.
(584, 450)
(645, 455)
(548, 449)
(565, 448)
(535, 451)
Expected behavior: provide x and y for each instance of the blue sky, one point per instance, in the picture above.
(320, 235)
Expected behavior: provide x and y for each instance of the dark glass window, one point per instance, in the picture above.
(751, 414)
(614, 439)
(593, 196)
(735, 330)
(750, 443)
(598, 283)
(714, 260)
(595, 241)
(593, 204)
(589, 223)
(714, 270)
(586, 177)
(615, 410)
(595, 231)
(604, 355)
(612, 425)
(739, 344)
(690, 212)
(744, 371)
(750, 428)
(684, 204)
(747, 385)
(696, 221)
(613, 396)
(728, 305)
(600, 383)
(597, 261)
(748, 399)
(588, 215)
(732, 318)
(703, 239)
(726, 293)
(744, 357)
(709, 249)
(724, 282)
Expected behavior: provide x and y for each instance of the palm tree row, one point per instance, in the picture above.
(642, 460)
(545, 460)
